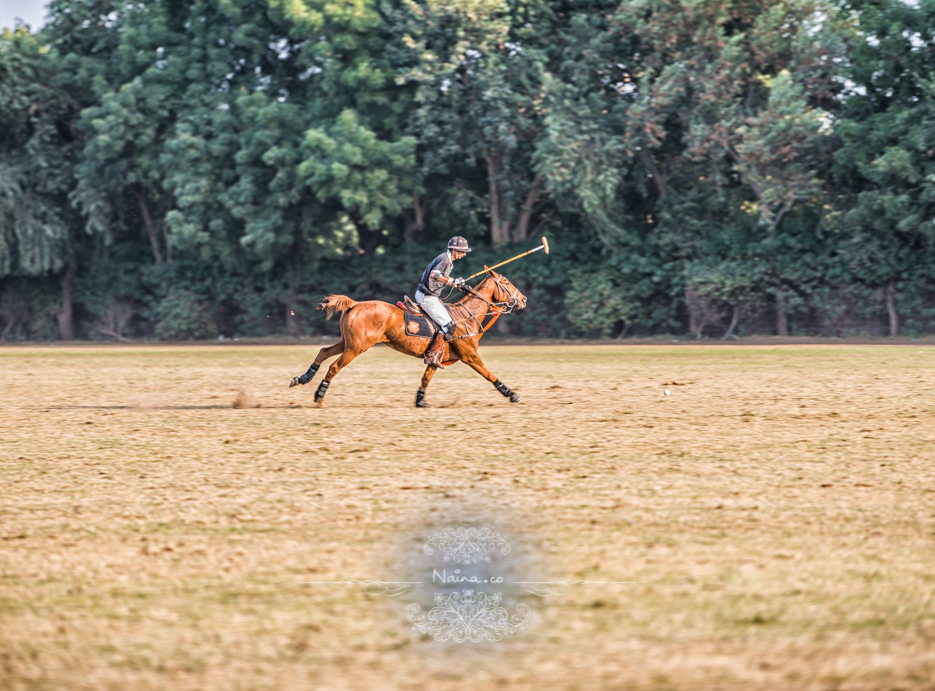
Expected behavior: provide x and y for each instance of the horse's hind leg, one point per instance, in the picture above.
(346, 357)
(473, 361)
(323, 354)
(426, 378)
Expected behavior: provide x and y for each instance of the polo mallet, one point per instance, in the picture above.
(543, 246)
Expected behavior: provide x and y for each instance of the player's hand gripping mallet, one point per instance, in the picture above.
(543, 246)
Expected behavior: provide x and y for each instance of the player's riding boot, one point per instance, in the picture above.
(433, 355)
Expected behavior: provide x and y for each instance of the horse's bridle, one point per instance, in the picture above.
(512, 301)
(499, 306)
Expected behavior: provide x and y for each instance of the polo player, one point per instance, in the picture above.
(437, 274)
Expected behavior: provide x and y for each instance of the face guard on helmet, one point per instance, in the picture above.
(458, 243)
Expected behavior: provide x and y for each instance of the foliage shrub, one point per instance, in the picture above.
(183, 316)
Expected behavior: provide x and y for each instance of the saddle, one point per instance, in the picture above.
(409, 306)
(418, 323)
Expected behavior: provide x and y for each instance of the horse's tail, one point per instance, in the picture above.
(335, 303)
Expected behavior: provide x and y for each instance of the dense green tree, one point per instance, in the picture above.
(886, 166)
(185, 168)
(37, 143)
(673, 116)
(478, 70)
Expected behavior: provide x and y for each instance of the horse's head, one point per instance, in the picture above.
(505, 293)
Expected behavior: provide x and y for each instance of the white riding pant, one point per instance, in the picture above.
(433, 307)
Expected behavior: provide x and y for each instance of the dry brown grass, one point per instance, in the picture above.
(776, 512)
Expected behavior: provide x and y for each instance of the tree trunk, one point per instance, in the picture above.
(65, 315)
(782, 318)
(165, 228)
(529, 206)
(148, 222)
(499, 230)
(696, 322)
(292, 322)
(733, 323)
(6, 329)
(891, 308)
(368, 239)
(658, 178)
(419, 225)
(415, 220)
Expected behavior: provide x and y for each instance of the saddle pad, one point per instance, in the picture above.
(418, 325)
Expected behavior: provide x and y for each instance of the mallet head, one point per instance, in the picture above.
(545, 245)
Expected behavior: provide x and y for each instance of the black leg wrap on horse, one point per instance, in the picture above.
(502, 388)
(308, 376)
(322, 390)
(420, 399)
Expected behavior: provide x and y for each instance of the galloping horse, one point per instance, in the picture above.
(364, 324)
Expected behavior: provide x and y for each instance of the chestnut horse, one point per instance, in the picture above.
(364, 324)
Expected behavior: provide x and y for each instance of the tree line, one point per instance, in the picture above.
(184, 169)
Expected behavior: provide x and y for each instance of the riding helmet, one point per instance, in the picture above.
(458, 243)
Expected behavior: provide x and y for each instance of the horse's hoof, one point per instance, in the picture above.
(422, 404)
(515, 398)
(321, 404)
(295, 382)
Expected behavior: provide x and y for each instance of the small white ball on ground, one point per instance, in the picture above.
(666, 392)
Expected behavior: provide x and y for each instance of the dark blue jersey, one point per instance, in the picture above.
(430, 285)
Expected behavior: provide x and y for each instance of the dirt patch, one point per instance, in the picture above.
(775, 514)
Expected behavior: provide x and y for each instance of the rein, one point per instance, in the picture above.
(495, 308)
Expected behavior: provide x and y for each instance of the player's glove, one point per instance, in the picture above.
(459, 282)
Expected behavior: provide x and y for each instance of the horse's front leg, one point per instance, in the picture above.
(323, 354)
(472, 360)
(426, 378)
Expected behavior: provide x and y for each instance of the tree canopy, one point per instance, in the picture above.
(189, 169)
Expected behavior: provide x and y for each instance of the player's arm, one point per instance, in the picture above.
(448, 280)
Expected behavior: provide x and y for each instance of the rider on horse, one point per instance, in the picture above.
(435, 275)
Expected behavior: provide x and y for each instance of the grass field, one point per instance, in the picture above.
(163, 509)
